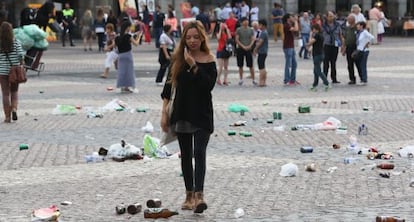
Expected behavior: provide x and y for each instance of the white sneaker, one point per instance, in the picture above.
(159, 84)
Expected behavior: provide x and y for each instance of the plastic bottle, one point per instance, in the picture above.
(389, 219)
(159, 213)
(353, 144)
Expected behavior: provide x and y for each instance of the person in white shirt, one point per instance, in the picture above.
(225, 12)
(254, 13)
(356, 10)
(245, 10)
(363, 39)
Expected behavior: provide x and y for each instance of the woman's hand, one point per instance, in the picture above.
(164, 121)
(188, 58)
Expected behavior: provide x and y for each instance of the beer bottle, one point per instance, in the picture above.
(386, 166)
(389, 219)
(159, 213)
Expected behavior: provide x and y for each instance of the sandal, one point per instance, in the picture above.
(103, 76)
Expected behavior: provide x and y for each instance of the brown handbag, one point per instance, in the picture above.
(17, 73)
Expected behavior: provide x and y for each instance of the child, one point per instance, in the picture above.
(316, 42)
(111, 54)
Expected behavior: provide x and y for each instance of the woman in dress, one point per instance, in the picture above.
(126, 74)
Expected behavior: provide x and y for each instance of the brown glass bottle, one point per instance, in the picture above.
(158, 213)
(386, 166)
(389, 219)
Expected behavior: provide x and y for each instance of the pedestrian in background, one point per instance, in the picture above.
(290, 27)
(173, 22)
(146, 20)
(11, 53)
(262, 45)
(193, 74)
(332, 40)
(126, 73)
(223, 35)
(167, 45)
(305, 29)
(363, 40)
(68, 21)
(349, 40)
(245, 40)
(158, 24)
(110, 49)
(86, 24)
(316, 41)
(100, 28)
(277, 15)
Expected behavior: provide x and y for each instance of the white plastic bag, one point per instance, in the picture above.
(407, 151)
(289, 170)
(148, 128)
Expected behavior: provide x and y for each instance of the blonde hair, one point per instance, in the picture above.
(178, 62)
(88, 13)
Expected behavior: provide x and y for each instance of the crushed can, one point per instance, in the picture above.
(306, 149)
(304, 109)
(134, 208)
(120, 209)
(231, 132)
(277, 115)
(23, 146)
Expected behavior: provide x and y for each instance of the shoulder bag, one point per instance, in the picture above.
(170, 136)
(17, 73)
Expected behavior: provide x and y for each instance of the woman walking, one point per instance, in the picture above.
(193, 74)
(126, 74)
(87, 33)
(11, 53)
(100, 29)
(167, 45)
(222, 55)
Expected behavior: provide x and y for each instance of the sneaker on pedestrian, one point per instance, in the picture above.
(241, 82)
(297, 82)
(351, 83)
(159, 84)
(291, 83)
(362, 83)
(327, 87)
(313, 89)
(254, 83)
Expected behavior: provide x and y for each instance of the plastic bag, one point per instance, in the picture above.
(236, 108)
(64, 110)
(148, 128)
(25, 40)
(150, 146)
(407, 151)
(289, 170)
(123, 150)
(46, 214)
(35, 32)
(115, 104)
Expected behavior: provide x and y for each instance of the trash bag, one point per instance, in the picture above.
(25, 40)
(41, 44)
(34, 32)
(236, 108)
(115, 104)
(289, 170)
(64, 110)
(123, 150)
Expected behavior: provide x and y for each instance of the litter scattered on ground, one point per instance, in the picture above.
(152, 148)
(124, 151)
(331, 169)
(289, 170)
(310, 167)
(407, 151)
(65, 203)
(239, 213)
(50, 214)
(330, 124)
(239, 123)
(64, 110)
(279, 128)
(236, 108)
(148, 128)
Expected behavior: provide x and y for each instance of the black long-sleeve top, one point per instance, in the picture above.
(193, 99)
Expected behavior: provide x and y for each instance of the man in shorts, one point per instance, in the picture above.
(245, 39)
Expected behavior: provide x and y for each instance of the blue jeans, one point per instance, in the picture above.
(290, 65)
(317, 71)
(362, 66)
(305, 40)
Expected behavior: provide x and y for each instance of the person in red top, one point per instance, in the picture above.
(290, 27)
(317, 20)
(231, 24)
(222, 55)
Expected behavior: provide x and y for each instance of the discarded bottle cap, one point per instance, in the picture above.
(78, 107)
(41, 92)
(109, 88)
(306, 149)
(120, 209)
(336, 146)
(269, 121)
(23, 146)
(324, 101)
(365, 108)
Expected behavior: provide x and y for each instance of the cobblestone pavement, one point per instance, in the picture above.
(243, 172)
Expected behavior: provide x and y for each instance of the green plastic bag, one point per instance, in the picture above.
(35, 32)
(64, 110)
(236, 108)
(41, 44)
(25, 40)
(150, 146)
